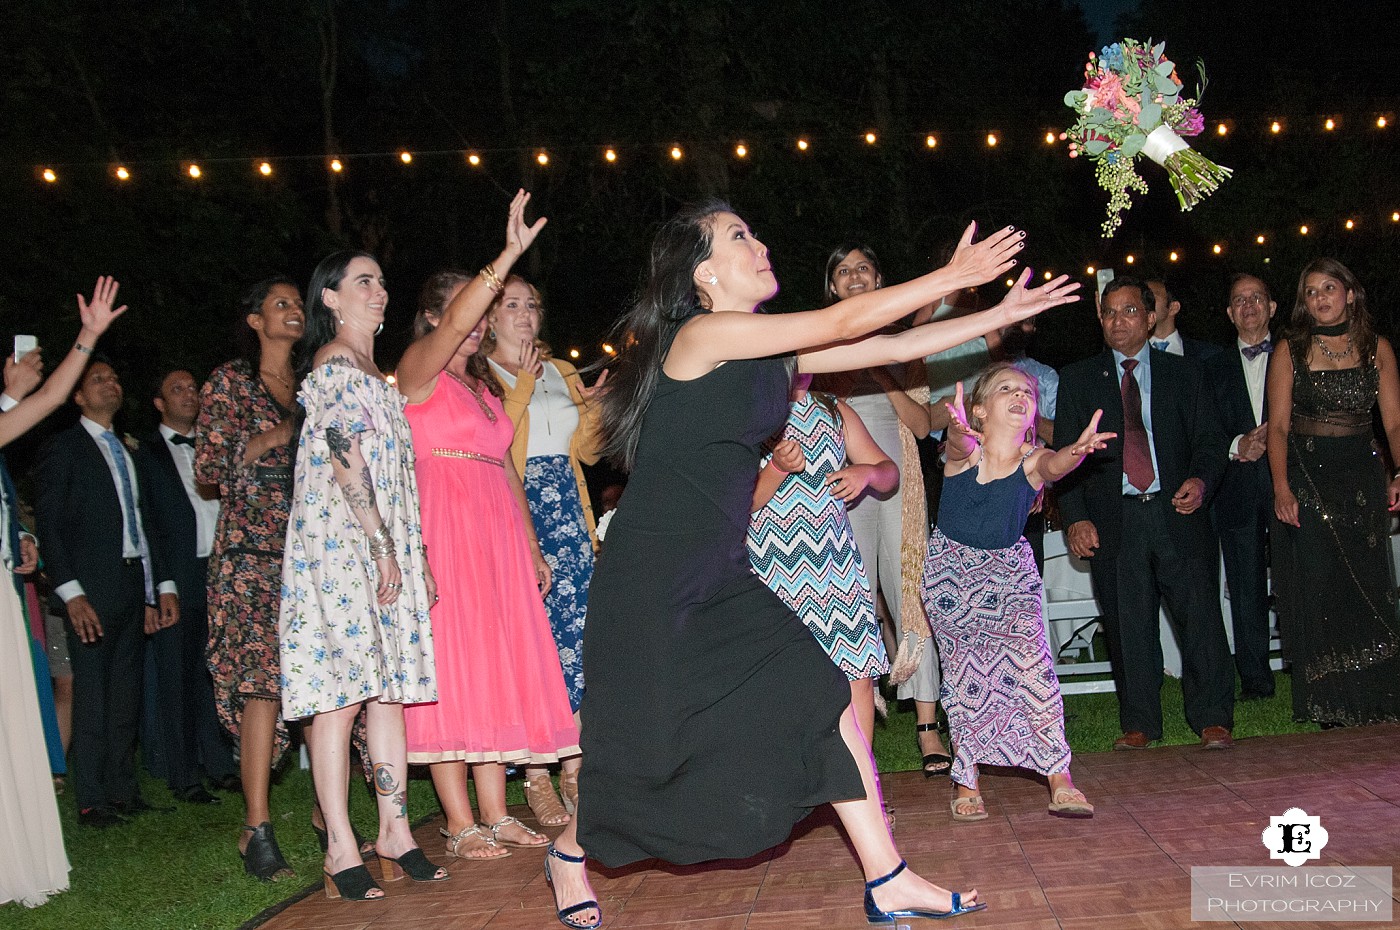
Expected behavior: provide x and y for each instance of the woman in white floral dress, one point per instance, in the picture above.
(354, 622)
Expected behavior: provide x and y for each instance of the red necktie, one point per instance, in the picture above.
(1137, 454)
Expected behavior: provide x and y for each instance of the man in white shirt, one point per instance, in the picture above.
(180, 722)
(1165, 336)
(112, 581)
(1244, 507)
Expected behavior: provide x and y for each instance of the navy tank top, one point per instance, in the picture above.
(986, 516)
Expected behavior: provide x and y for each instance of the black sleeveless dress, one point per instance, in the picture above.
(710, 721)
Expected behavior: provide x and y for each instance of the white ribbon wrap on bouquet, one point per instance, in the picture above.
(1162, 142)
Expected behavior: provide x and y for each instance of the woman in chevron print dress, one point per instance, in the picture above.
(800, 539)
(982, 592)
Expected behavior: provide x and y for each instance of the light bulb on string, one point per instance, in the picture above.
(1217, 248)
(194, 171)
(473, 159)
(802, 145)
(1330, 125)
(1173, 257)
(677, 153)
(1130, 259)
(1351, 224)
(992, 140)
(1275, 127)
(337, 166)
(1303, 230)
(1381, 122)
(1049, 138)
(542, 158)
(406, 157)
(265, 169)
(49, 175)
(1089, 269)
(870, 138)
(741, 150)
(573, 353)
(122, 174)
(931, 141)
(610, 155)
(1259, 238)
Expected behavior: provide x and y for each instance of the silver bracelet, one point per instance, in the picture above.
(86, 350)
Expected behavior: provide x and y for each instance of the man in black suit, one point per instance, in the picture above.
(1165, 335)
(185, 725)
(1244, 508)
(1137, 512)
(106, 572)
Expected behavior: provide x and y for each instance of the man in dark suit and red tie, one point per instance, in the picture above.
(1137, 511)
(184, 722)
(111, 578)
(1244, 507)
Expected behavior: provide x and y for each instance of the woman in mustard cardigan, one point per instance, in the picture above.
(556, 433)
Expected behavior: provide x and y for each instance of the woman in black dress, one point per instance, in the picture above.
(713, 721)
(1332, 570)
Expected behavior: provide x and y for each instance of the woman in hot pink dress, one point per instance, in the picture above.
(501, 695)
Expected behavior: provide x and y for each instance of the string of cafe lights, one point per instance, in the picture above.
(740, 149)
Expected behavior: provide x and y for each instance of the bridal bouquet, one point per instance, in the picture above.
(1131, 104)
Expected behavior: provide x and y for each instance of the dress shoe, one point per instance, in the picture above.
(138, 806)
(195, 794)
(1216, 738)
(99, 817)
(227, 783)
(1133, 739)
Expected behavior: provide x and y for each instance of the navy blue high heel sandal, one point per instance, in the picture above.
(565, 913)
(876, 916)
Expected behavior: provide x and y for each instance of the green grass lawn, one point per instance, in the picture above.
(181, 870)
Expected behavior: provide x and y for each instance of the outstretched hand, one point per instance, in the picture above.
(978, 263)
(957, 415)
(98, 314)
(520, 236)
(1091, 440)
(1021, 302)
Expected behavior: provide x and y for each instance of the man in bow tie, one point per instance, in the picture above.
(1244, 508)
(1165, 336)
(181, 725)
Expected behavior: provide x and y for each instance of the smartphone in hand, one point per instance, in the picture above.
(24, 345)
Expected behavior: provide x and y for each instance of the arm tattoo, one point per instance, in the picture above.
(339, 445)
(360, 497)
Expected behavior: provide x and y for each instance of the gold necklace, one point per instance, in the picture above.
(284, 381)
(480, 401)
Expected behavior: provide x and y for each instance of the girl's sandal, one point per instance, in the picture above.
(969, 809)
(506, 821)
(468, 842)
(1070, 802)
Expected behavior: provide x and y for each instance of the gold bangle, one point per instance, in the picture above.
(491, 279)
(86, 350)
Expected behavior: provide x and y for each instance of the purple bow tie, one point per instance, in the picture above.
(1253, 352)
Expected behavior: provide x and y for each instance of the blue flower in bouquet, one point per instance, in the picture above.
(1112, 55)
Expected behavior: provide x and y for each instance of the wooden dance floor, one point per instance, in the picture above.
(1160, 812)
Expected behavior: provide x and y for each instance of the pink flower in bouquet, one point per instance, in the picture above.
(1192, 124)
(1105, 90)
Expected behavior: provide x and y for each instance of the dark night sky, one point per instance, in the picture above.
(1102, 14)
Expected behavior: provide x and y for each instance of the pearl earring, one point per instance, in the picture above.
(714, 279)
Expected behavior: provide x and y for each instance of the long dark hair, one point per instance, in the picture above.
(1298, 332)
(249, 345)
(432, 300)
(838, 256)
(666, 301)
(320, 319)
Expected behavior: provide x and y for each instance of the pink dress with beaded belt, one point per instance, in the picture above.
(501, 694)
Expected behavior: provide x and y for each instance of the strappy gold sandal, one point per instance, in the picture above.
(476, 838)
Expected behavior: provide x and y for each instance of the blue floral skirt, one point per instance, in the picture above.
(557, 512)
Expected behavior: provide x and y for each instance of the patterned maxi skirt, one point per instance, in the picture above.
(557, 512)
(999, 686)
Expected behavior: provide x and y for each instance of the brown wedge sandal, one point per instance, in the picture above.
(967, 810)
(544, 803)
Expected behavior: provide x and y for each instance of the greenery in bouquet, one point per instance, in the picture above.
(1131, 104)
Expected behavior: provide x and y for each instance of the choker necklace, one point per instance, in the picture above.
(1336, 329)
(480, 401)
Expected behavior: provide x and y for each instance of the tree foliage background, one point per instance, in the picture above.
(150, 84)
